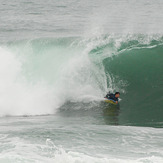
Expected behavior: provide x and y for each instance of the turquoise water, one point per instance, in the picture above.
(58, 59)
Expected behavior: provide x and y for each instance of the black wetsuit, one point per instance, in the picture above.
(111, 96)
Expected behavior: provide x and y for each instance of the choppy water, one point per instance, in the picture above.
(58, 59)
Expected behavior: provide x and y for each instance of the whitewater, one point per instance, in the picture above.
(58, 59)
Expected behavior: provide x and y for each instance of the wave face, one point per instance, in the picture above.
(139, 65)
(38, 76)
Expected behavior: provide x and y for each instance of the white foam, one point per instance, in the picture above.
(76, 78)
(17, 97)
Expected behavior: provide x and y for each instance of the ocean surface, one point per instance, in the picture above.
(58, 59)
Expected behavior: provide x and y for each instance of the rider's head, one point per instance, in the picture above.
(117, 94)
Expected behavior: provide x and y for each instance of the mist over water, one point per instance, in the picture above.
(58, 59)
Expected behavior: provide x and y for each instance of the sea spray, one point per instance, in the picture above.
(17, 96)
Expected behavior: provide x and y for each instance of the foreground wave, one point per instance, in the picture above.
(47, 139)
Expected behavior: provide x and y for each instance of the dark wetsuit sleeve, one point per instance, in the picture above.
(112, 97)
(116, 99)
